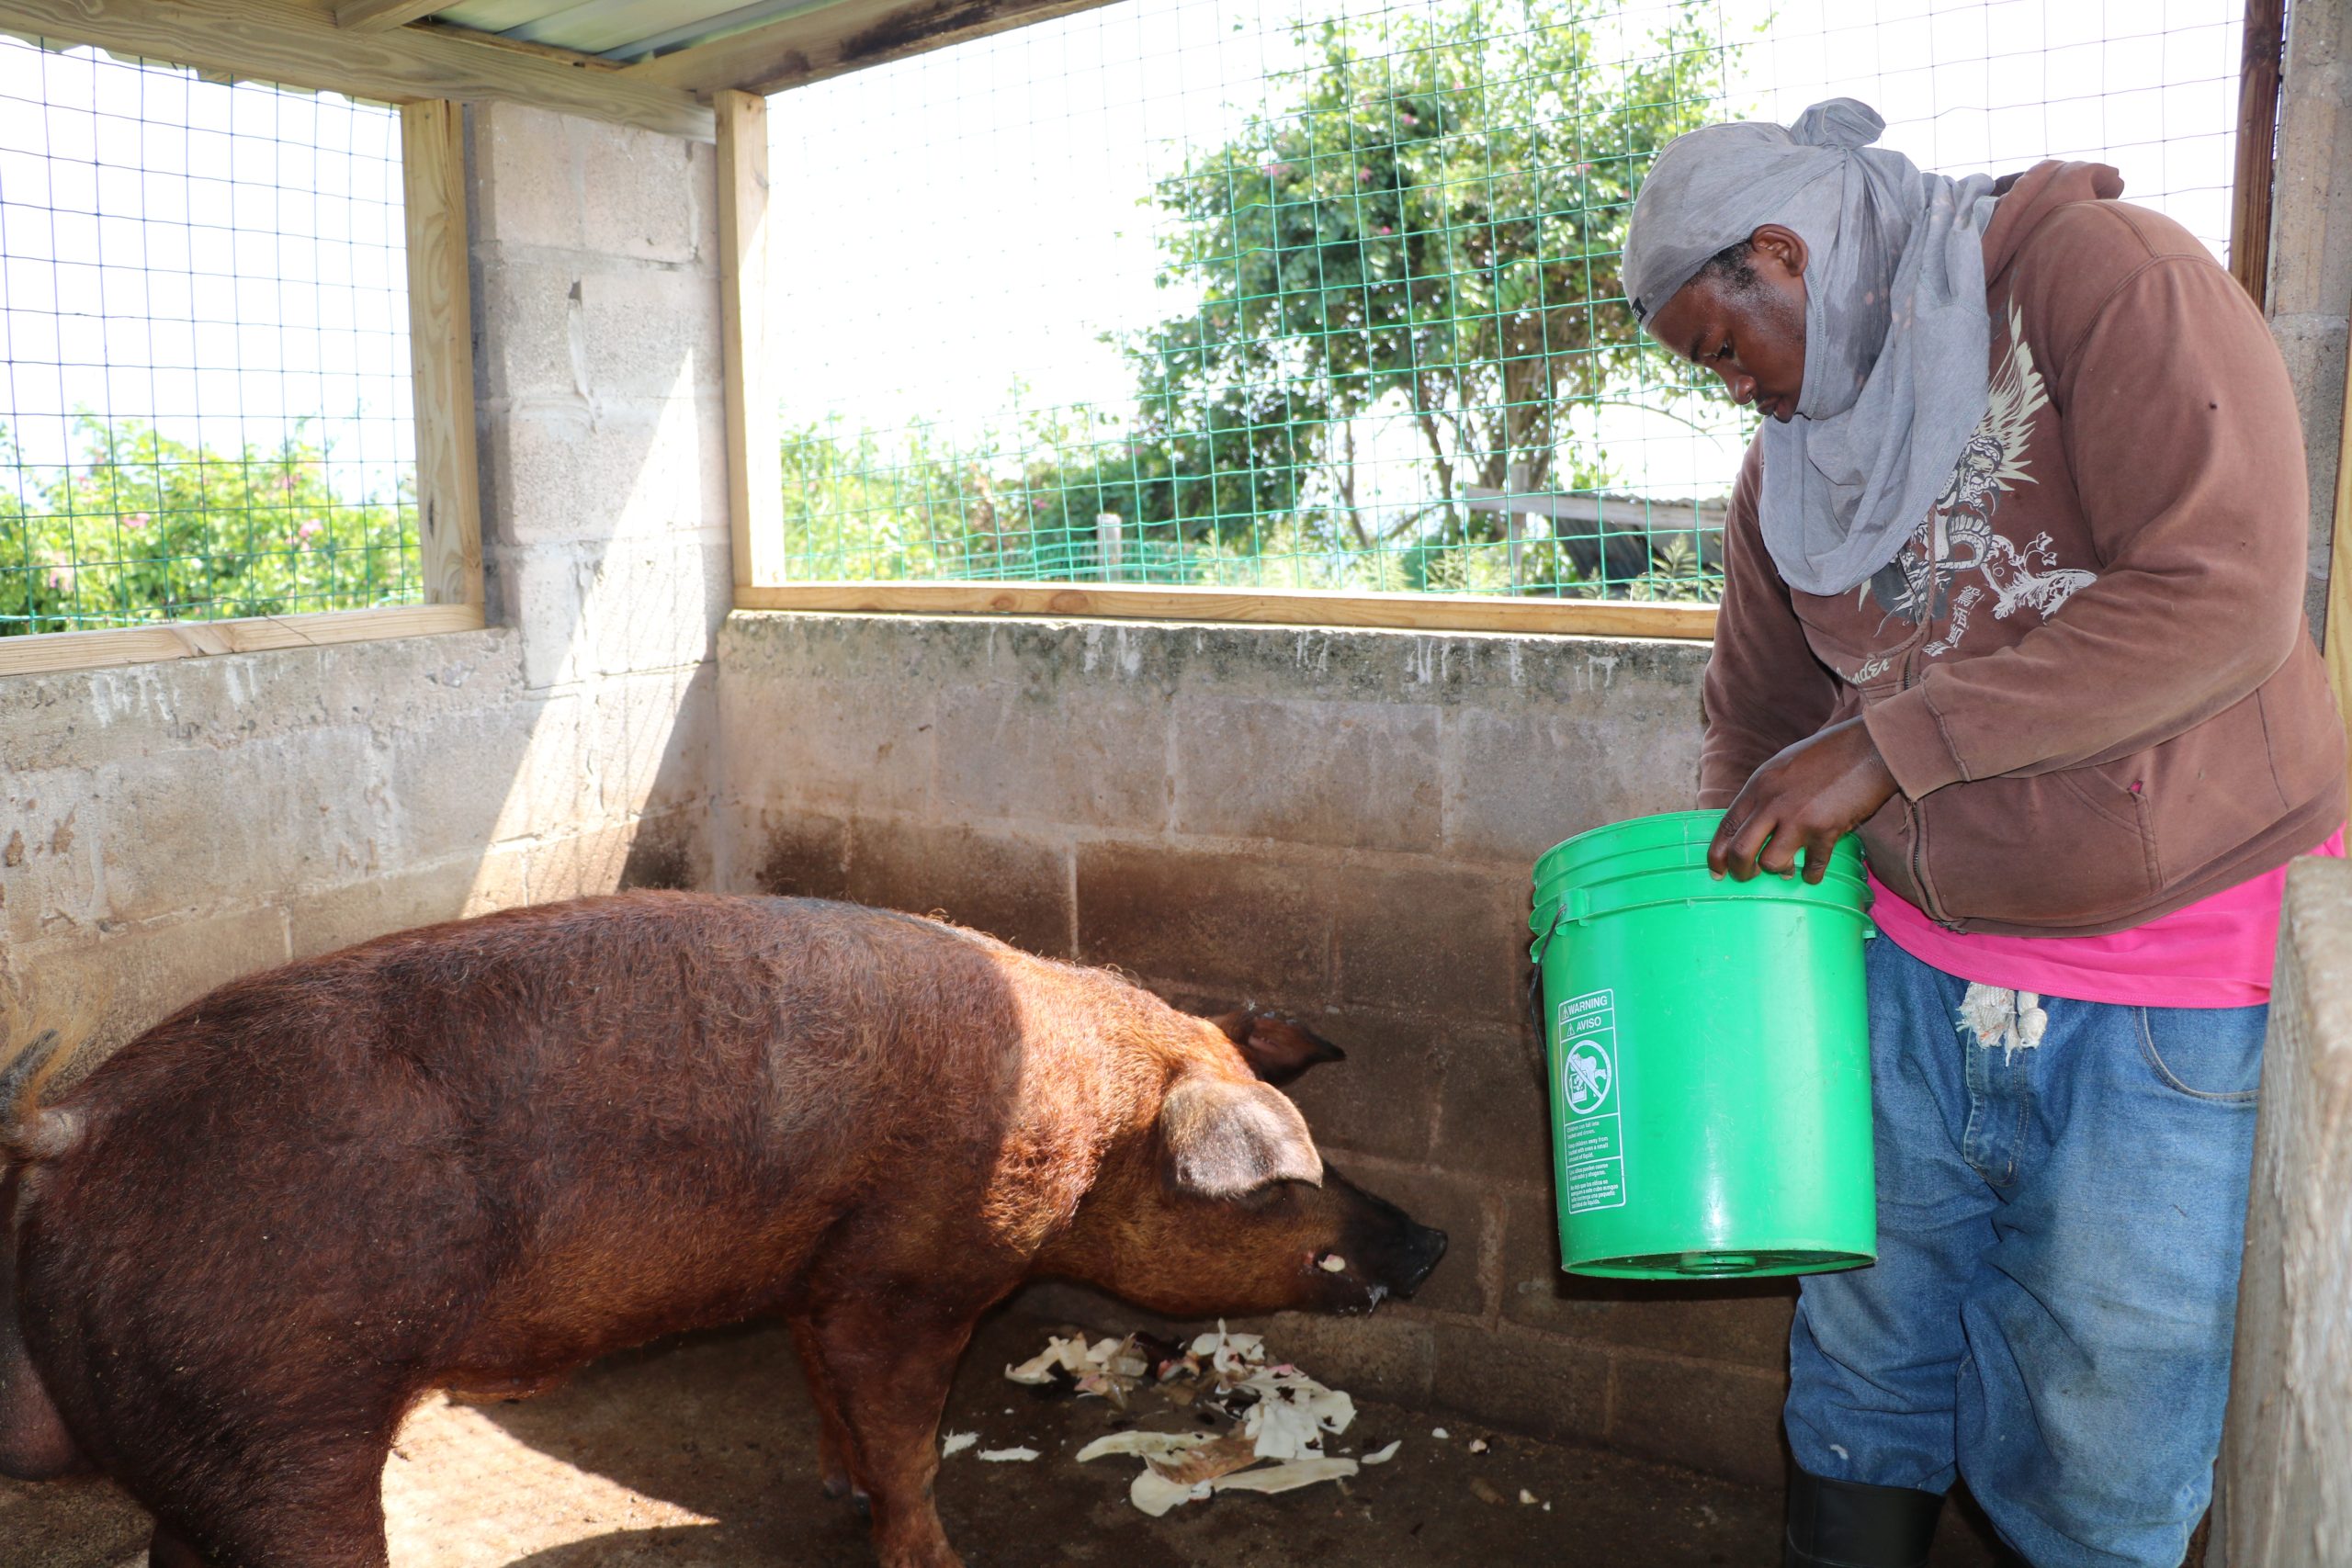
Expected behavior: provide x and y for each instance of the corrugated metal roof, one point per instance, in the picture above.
(619, 29)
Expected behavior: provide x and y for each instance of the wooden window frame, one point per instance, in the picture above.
(448, 504)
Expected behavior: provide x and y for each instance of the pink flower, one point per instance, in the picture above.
(310, 530)
(1383, 228)
(287, 482)
(137, 520)
(1275, 171)
(1364, 176)
(61, 577)
(1409, 119)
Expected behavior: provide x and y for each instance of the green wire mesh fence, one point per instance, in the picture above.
(204, 318)
(1286, 294)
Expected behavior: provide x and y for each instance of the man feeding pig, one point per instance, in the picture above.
(2013, 588)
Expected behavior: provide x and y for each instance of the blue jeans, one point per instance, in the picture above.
(2060, 1229)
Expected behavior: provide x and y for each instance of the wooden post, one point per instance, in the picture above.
(2337, 641)
(2265, 41)
(754, 453)
(441, 352)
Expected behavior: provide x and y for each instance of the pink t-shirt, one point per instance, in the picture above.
(2217, 952)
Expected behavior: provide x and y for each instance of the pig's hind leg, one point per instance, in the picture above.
(888, 1366)
(833, 1433)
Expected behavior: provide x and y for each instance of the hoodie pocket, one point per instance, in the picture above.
(2068, 847)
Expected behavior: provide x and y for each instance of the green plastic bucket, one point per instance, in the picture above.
(1708, 1047)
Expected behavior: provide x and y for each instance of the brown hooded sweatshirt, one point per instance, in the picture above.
(2089, 672)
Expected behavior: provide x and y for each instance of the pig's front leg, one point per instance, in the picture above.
(888, 1366)
(833, 1433)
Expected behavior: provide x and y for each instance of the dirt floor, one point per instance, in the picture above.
(702, 1454)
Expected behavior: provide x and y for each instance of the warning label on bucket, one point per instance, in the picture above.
(1592, 1138)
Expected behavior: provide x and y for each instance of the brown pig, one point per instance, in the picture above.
(476, 1155)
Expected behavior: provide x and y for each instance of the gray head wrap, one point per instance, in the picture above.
(1895, 330)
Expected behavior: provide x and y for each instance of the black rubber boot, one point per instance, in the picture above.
(1844, 1524)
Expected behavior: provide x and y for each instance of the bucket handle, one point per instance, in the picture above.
(1578, 899)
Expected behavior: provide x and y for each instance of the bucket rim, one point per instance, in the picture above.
(1578, 862)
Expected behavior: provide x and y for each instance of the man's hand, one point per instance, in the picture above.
(1808, 798)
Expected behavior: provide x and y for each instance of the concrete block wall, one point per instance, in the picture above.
(166, 827)
(1340, 824)
(2285, 1494)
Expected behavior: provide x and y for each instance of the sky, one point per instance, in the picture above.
(958, 231)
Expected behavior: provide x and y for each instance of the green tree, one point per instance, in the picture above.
(140, 528)
(1431, 229)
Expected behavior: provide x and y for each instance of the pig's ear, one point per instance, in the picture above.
(1278, 1050)
(1225, 1139)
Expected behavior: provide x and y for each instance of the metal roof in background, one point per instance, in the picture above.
(624, 32)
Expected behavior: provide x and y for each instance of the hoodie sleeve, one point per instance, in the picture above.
(2180, 431)
(1764, 689)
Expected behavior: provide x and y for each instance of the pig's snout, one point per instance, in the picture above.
(1422, 1248)
(1388, 1253)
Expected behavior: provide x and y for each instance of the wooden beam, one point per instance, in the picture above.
(571, 59)
(441, 352)
(754, 453)
(2337, 643)
(847, 36)
(198, 639)
(375, 16)
(1414, 612)
(295, 42)
(2258, 70)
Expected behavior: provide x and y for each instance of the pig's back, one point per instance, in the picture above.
(434, 1139)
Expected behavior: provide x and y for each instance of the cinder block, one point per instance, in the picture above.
(1724, 1421)
(575, 866)
(463, 781)
(51, 877)
(647, 197)
(611, 607)
(1423, 937)
(647, 741)
(203, 829)
(1742, 1323)
(1525, 1383)
(401, 684)
(832, 746)
(398, 901)
(650, 331)
(787, 854)
(670, 854)
(1205, 922)
(1385, 1356)
(128, 980)
(1383, 1100)
(1093, 758)
(1521, 779)
(528, 180)
(86, 718)
(1012, 887)
(528, 326)
(1494, 1116)
(1361, 776)
(571, 471)
(563, 182)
